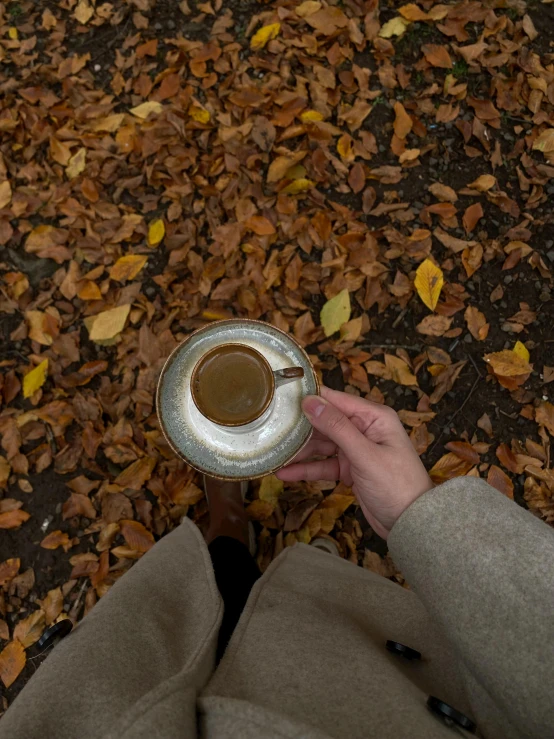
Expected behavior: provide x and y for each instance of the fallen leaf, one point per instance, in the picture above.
(521, 350)
(156, 232)
(395, 27)
(136, 474)
(399, 370)
(13, 519)
(35, 379)
(128, 267)
(108, 324)
(298, 186)
(500, 480)
(447, 467)
(145, 109)
(9, 569)
(29, 630)
(260, 225)
(136, 535)
(483, 183)
(12, 661)
(472, 216)
(434, 325)
(335, 312)
(52, 605)
(545, 141)
(402, 122)
(270, 489)
(83, 12)
(351, 330)
(56, 539)
(507, 363)
(437, 56)
(76, 164)
(263, 35)
(443, 192)
(199, 114)
(428, 282)
(5, 193)
(544, 415)
(476, 323)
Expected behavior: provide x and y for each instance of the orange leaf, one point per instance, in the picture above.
(443, 192)
(56, 539)
(13, 519)
(449, 466)
(356, 178)
(8, 570)
(260, 225)
(463, 450)
(545, 416)
(402, 122)
(29, 630)
(472, 216)
(136, 474)
(437, 56)
(434, 325)
(136, 535)
(500, 480)
(12, 661)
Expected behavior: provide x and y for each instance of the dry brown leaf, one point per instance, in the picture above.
(472, 216)
(9, 569)
(136, 535)
(449, 466)
(483, 183)
(12, 662)
(544, 415)
(402, 122)
(476, 323)
(437, 56)
(13, 519)
(56, 539)
(399, 370)
(434, 325)
(29, 630)
(507, 364)
(443, 192)
(52, 605)
(500, 480)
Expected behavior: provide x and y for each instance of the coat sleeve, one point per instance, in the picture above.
(135, 663)
(483, 568)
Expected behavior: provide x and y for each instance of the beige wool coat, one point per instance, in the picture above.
(308, 656)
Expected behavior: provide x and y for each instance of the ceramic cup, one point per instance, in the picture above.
(233, 385)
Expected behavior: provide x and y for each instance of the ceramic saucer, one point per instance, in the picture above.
(230, 453)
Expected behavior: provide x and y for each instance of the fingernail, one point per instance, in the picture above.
(313, 406)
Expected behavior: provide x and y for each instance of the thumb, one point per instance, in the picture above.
(332, 422)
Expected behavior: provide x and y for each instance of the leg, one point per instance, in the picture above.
(228, 543)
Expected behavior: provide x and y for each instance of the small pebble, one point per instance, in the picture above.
(508, 279)
(550, 255)
(171, 24)
(468, 338)
(97, 67)
(538, 285)
(157, 26)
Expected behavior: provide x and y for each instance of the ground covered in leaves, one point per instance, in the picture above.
(166, 164)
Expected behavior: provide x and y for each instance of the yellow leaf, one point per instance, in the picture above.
(545, 141)
(156, 232)
(83, 12)
(145, 109)
(400, 371)
(344, 147)
(428, 283)
(395, 27)
(270, 489)
(308, 7)
(335, 312)
(35, 379)
(298, 186)
(521, 350)
(263, 35)
(60, 151)
(199, 114)
(108, 324)
(110, 123)
(409, 155)
(128, 267)
(12, 33)
(76, 163)
(5, 193)
(310, 115)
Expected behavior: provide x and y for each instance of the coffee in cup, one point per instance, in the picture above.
(234, 385)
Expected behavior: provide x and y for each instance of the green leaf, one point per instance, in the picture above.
(335, 312)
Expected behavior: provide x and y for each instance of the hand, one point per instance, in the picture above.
(366, 447)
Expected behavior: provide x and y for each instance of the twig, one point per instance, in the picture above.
(473, 362)
(399, 317)
(468, 396)
(413, 347)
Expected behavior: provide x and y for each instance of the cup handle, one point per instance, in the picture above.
(289, 374)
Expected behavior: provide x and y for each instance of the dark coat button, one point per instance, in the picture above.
(55, 633)
(450, 715)
(402, 650)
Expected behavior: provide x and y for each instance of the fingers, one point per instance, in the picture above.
(377, 422)
(336, 426)
(316, 448)
(326, 469)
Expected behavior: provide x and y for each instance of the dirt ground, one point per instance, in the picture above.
(393, 329)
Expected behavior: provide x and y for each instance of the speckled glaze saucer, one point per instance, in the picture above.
(246, 452)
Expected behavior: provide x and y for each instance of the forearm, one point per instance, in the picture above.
(483, 568)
